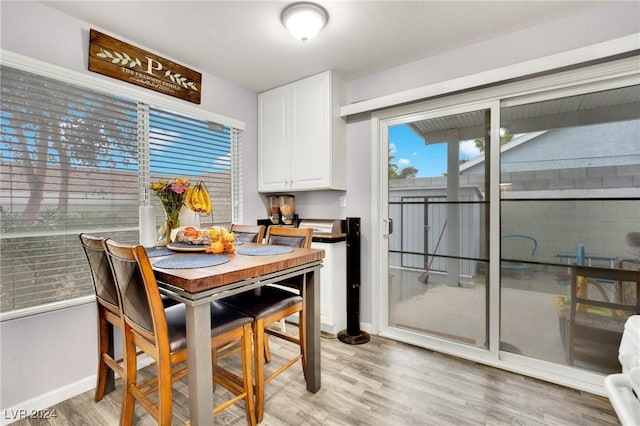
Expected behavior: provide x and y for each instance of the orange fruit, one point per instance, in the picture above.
(216, 247)
(214, 233)
(190, 231)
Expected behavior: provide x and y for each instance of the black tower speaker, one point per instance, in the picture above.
(353, 335)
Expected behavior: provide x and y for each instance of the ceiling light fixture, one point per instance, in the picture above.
(304, 20)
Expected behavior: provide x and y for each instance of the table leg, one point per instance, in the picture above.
(312, 329)
(199, 363)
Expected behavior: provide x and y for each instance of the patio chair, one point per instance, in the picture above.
(522, 248)
(595, 323)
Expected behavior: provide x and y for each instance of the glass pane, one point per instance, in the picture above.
(437, 247)
(196, 150)
(570, 186)
(68, 165)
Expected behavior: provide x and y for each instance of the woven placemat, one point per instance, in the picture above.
(158, 251)
(264, 250)
(191, 261)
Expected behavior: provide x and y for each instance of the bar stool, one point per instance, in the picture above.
(109, 308)
(161, 334)
(270, 304)
(248, 233)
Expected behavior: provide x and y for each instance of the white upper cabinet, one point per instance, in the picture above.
(301, 136)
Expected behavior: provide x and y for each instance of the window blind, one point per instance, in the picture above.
(68, 157)
(75, 160)
(196, 150)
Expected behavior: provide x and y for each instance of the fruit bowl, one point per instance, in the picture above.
(218, 238)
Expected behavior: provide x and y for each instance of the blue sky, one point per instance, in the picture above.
(408, 149)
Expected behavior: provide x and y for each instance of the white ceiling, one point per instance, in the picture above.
(245, 43)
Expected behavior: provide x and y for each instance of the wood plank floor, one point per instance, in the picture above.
(382, 382)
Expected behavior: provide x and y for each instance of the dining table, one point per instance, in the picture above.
(196, 285)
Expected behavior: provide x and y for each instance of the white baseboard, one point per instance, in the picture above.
(365, 326)
(39, 405)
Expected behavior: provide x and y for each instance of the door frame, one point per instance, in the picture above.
(380, 239)
(587, 79)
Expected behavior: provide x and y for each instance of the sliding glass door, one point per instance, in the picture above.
(490, 200)
(437, 198)
(570, 182)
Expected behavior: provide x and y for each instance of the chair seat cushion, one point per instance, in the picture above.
(167, 301)
(262, 302)
(223, 318)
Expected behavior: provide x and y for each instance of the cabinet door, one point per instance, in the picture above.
(333, 284)
(273, 136)
(310, 143)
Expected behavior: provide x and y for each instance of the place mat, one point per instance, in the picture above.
(158, 251)
(191, 261)
(266, 250)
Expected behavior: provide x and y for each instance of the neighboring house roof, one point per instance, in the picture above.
(596, 145)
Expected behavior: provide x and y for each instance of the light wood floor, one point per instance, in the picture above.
(382, 382)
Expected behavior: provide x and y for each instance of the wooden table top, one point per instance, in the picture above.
(239, 268)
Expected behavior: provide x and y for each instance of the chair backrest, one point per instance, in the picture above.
(248, 233)
(105, 287)
(293, 237)
(141, 302)
(519, 246)
(596, 324)
(582, 276)
(624, 291)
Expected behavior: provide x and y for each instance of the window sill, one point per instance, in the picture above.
(41, 309)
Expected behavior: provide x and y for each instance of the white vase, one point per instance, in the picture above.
(189, 218)
(147, 226)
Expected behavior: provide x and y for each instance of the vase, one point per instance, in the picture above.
(172, 222)
(188, 217)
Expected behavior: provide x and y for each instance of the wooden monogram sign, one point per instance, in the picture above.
(117, 59)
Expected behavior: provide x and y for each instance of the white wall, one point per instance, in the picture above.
(596, 25)
(33, 29)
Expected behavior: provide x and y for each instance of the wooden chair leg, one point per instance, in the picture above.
(103, 347)
(267, 351)
(131, 368)
(249, 405)
(258, 355)
(165, 388)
